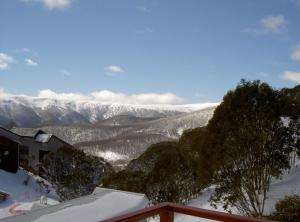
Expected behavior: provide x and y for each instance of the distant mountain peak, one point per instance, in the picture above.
(27, 111)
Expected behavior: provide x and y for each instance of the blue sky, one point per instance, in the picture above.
(195, 50)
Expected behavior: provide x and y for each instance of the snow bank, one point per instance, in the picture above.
(102, 204)
(24, 189)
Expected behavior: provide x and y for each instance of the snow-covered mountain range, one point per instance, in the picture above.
(121, 138)
(117, 132)
(24, 111)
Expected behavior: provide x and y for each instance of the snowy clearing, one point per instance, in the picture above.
(111, 156)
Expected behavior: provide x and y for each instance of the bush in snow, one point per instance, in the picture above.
(287, 210)
(73, 172)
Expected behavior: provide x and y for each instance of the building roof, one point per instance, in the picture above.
(29, 132)
(102, 204)
(12, 135)
(37, 134)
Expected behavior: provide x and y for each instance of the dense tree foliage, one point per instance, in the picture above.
(73, 172)
(253, 146)
(287, 210)
(196, 145)
(249, 141)
(163, 172)
(292, 96)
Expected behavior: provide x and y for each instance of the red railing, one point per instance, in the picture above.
(166, 213)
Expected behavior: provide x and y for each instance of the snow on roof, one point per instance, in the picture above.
(43, 137)
(101, 205)
(31, 132)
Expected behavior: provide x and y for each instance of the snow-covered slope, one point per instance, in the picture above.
(25, 111)
(25, 191)
(288, 185)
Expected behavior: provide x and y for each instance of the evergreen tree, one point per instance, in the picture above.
(252, 146)
(164, 173)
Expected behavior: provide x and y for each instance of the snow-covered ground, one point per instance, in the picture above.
(101, 205)
(26, 197)
(111, 156)
(288, 185)
(25, 191)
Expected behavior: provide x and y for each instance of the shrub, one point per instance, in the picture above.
(287, 209)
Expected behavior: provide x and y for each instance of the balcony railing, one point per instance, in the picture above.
(166, 213)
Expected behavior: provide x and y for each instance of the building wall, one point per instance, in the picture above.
(54, 144)
(9, 155)
(33, 151)
(35, 147)
(30, 148)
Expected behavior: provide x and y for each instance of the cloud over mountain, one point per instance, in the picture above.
(107, 97)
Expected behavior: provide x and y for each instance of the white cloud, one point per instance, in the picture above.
(115, 69)
(59, 4)
(296, 53)
(292, 76)
(269, 24)
(47, 93)
(30, 62)
(52, 4)
(2, 94)
(5, 95)
(273, 23)
(65, 72)
(5, 61)
(106, 97)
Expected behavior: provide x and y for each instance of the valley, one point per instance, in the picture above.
(121, 138)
